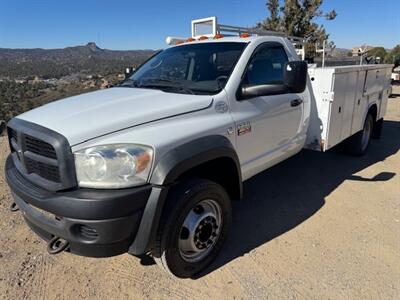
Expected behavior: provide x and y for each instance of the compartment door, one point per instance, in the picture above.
(375, 81)
(360, 105)
(348, 105)
(334, 130)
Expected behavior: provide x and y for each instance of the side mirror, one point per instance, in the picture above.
(294, 81)
(295, 76)
(247, 92)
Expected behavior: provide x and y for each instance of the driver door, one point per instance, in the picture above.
(267, 127)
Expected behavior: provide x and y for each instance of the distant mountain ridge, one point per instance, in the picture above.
(55, 63)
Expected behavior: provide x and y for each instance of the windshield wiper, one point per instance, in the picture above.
(129, 83)
(157, 82)
(166, 84)
(181, 88)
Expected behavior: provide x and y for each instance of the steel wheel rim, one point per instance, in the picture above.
(366, 135)
(200, 231)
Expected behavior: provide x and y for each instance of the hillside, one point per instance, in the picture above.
(56, 63)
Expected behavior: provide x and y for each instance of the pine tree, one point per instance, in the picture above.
(273, 22)
(297, 18)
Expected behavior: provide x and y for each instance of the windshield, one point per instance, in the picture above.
(201, 69)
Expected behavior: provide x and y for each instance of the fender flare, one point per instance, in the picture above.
(166, 172)
(191, 154)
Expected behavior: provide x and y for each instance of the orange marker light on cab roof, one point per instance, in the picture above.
(190, 40)
(218, 36)
(179, 42)
(244, 35)
(202, 38)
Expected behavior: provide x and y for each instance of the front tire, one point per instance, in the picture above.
(193, 227)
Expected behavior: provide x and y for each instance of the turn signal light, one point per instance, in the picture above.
(190, 40)
(218, 36)
(202, 38)
(244, 35)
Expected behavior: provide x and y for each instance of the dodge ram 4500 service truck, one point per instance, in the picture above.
(151, 166)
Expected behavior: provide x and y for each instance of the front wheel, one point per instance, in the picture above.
(194, 226)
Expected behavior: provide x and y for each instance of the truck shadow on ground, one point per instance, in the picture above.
(286, 195)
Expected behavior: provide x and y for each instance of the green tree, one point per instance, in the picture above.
(393, 56)
(378, 52)
(273, 22)
(298, 18)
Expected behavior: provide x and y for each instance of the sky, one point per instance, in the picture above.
(133, 24)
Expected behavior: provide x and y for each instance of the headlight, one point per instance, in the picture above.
(113, 166)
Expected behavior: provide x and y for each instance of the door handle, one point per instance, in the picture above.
(296, 102)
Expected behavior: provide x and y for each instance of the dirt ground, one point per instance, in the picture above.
(317, 226)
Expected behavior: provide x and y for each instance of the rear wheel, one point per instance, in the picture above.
(194, 226)
(358, 143)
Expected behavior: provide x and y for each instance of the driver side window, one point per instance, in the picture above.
(266, 66)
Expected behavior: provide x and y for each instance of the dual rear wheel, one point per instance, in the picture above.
(358, 144)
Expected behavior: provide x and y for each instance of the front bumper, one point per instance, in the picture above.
(96, 223)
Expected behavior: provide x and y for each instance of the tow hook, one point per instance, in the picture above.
(57, 245)
(14, 207)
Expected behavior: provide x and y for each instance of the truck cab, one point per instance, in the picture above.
(152, 165)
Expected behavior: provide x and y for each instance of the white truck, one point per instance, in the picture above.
(395, 76)
(152, 165)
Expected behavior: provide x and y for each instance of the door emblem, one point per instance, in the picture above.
(243, 128)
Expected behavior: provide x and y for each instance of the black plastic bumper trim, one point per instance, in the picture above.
(113, 235)
(87, 250)
(126, 220)
(88, 204)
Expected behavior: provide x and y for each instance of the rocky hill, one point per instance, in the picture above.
(56, 63)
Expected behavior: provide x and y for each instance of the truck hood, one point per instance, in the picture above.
(84, 117)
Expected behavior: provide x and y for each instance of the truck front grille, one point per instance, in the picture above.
(43, 170)
(41, 155)
(39, 147)
(13, 134)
